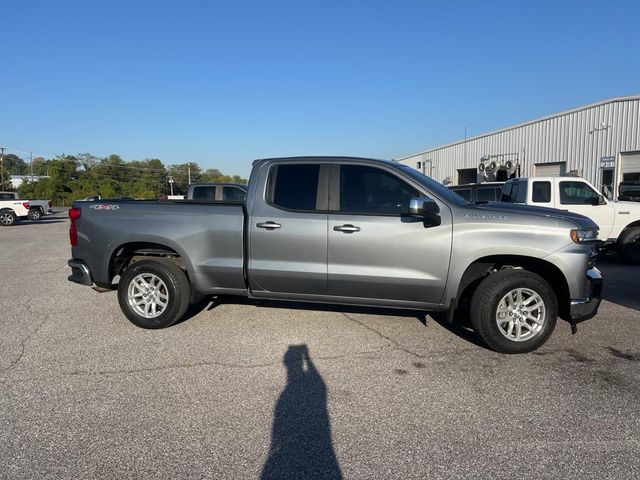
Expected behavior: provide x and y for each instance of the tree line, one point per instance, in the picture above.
(74, 177)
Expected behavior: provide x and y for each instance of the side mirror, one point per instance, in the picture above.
(427, 209)
(599, 200)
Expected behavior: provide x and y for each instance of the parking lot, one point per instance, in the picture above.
(248, 390)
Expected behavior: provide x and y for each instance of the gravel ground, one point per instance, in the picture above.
(247, 390)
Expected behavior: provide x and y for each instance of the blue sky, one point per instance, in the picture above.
(223, 83)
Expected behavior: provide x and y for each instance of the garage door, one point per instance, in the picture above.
(551, 169)
(630, 166)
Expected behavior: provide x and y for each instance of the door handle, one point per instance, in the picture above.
(346, 228)
(268, 225)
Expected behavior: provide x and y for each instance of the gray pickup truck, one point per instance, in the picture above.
(345, 231)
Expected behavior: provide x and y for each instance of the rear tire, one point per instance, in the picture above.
(514, 311)
(34, 214)
(7, 218)
(154, 293)
(629, 245)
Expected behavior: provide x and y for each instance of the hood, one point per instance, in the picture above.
(580, 221)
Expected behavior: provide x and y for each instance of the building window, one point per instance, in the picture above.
(419, 167)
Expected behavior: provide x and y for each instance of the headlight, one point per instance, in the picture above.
(582, 236)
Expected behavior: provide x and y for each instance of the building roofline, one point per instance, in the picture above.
(524, 124)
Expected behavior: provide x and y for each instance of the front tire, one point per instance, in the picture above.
(629, 245)
(34, 214)
(514, 311)
(7, 218)
(153, 293)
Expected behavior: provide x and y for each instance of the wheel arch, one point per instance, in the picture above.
(482, 267)
(122, 255)
(631, 225)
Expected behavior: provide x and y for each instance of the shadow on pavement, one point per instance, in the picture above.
(318, 307)
(621, 281)
(42, 220)
(460, 326)
(301, 445)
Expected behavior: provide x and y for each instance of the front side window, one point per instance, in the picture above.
(234, 194)
(371, 190)
(577, 193)
(295, 187)
(541, 192)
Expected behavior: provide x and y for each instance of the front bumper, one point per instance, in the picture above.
(80, 273)
(586, 308)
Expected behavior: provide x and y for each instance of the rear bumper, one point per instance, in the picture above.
(584, 309)
(80, 272)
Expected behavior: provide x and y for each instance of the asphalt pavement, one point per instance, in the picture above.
(271, 390)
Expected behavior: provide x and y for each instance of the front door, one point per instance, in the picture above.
(579, 197)
(288, 232)
(375, 250)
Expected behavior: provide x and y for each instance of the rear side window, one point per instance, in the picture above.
(541, 192)
(295, 187)
(506, 192)
(234, 194)
(464, 193)
(486, 194)
(520, 193)
(204, 193)
(372, 190)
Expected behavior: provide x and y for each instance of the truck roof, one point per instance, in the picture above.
(546, 179)
(219, 184)
(321, 158)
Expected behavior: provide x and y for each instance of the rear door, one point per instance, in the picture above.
(375, 250)
(288, 231)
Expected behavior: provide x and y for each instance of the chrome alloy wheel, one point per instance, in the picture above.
(521, 314)
(148, 295)
(6, 218)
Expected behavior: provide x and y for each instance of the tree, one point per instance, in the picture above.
(14, 164)
(73, 177)
(180, 174)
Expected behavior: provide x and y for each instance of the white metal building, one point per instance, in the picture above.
(600, 142)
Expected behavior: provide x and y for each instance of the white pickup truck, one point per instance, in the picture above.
(11, 210)
(36, 209)
(619, 222)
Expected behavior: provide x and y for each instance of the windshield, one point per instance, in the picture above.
(430, 184)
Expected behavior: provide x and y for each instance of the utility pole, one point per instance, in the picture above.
(2, 168)
(189, 171)
(31, 162)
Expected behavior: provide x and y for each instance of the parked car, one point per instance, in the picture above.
(479, 192)
(212, 192)
(619, 222)
(629, 191)
(217, 191)
(12, 210)
(346, 231)
(37, 208)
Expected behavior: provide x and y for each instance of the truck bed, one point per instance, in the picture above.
(211, 232)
